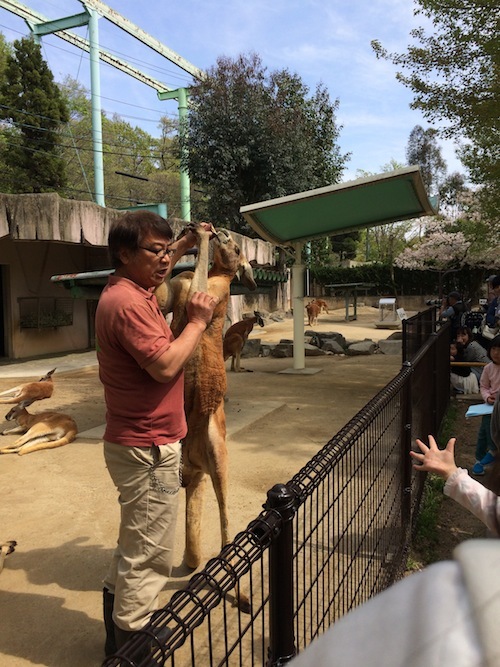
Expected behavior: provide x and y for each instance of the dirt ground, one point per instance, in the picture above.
(61, 506)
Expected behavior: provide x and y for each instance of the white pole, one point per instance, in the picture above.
(298, 309)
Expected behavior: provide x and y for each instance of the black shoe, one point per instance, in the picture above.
(108, 601)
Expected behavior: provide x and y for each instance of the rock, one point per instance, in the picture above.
(313, 351)
(282, 350)
(362, 347)
(332, 346)
(252, 348)
(391, 346)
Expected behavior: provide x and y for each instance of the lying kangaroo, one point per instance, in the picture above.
(44, 430)
(30, 392)
(5, 549)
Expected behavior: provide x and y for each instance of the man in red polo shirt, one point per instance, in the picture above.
(141, 367)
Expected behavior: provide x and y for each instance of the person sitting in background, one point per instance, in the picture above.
(492, 312)
(462, 379)
(472, 350)
(452, 309)
(490, 388)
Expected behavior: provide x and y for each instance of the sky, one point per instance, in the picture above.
(325, 41)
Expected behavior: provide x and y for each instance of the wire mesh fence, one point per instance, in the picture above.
(329, 539)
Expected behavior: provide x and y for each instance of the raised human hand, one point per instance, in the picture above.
(432, 459)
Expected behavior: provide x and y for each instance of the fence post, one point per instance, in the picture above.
(406, 417)
(281, 610)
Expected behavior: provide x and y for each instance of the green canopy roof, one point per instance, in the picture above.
(365, 202)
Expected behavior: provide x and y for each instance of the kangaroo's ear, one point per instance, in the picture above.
(25, 403)
(245, 274)
(47, 376)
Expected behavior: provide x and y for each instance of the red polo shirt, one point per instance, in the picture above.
(131, 333)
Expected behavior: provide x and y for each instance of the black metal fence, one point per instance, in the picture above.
(416, 330)
(332, 537)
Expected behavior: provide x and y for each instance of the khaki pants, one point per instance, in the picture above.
(147, 479)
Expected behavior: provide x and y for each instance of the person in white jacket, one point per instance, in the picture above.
(444, 616)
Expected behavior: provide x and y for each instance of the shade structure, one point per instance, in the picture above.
(334, 209)
(366, 202)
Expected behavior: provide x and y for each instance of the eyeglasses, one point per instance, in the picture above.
(161, 252)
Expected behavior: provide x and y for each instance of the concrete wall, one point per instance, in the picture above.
(26, 271)
(27, 264)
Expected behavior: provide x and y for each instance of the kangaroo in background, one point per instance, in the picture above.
(236, 337)
(44, 430)
(323, 306)
(30, 392)
(313, 310)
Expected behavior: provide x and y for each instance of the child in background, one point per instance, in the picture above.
(489, 387)
(462, 379)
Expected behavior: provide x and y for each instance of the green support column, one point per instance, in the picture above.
(184, 175)
(95, 83)
(181, 95)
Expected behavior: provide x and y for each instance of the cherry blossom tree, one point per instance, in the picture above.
(442, 248)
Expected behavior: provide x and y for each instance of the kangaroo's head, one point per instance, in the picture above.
(18, 409)
(229, 259)
(258, 318)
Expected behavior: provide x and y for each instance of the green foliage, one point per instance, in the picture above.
(254, 136)
(345, 245)
(32, 102)
(126, 149)
(423, 150)
(454, 74)
(406, 282)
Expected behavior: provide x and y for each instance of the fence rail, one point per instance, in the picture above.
(329, 539)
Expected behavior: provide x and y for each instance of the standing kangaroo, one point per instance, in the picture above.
(236, 337)
(44, 430)
(313, 310)
(204, 449)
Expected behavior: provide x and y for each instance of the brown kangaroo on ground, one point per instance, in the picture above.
(236, 337)
(31, 391)
(5, 549)
(44, 430)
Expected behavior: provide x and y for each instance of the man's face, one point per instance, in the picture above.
(144, 266)
(462, 338)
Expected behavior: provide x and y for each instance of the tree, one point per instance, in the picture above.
(254, 136)
(442, 249)
(452, 195)
(454, 75)
(448, 246)
(32, 103)
(148, 167)
(423, 150)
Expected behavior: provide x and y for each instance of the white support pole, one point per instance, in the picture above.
(298, 309)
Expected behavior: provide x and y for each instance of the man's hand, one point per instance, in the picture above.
(189, 238)
(432, 459)
(201, 308)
